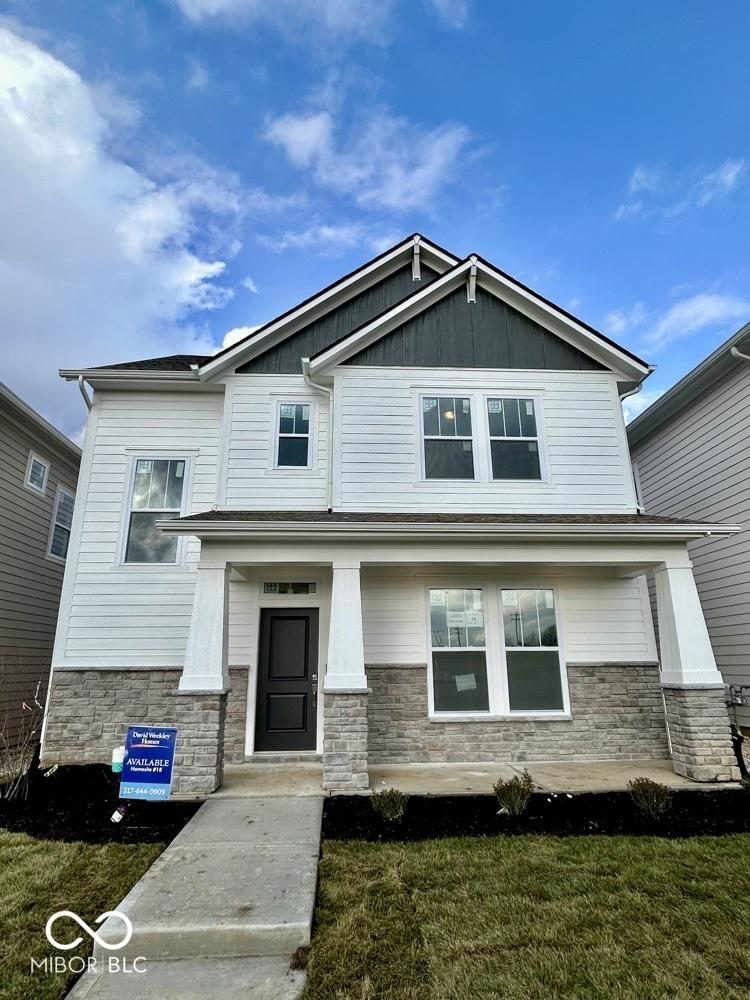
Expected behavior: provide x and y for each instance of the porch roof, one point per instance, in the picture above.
(376, 524)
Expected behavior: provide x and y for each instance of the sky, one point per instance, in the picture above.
(173, 172)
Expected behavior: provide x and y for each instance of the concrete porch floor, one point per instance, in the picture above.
(268, 779)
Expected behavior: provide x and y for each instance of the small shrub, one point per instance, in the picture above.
(390, 804)
(514, 794)
(651, 797)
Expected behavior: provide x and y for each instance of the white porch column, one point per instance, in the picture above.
(345, 670)
(205, 667)
(686, 653)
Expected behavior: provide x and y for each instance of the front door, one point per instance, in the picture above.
(287, 679)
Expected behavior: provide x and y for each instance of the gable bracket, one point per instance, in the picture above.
(471, 281)
(416, 272)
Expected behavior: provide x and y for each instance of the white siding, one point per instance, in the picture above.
(251, 482)
(120, 615)
(378, 463)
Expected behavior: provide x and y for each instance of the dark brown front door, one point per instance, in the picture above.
(287, 679)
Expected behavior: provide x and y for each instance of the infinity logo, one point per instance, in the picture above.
(91, 933)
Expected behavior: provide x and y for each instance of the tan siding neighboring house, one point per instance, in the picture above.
(692, 453)
(31, 574)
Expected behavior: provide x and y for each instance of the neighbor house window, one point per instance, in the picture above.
(293, 450)
(532, 653)
(158, 486)
(514, 441)
(37, 471)
(448, 449)
(60, 536)
(459, 658)
(289, 587)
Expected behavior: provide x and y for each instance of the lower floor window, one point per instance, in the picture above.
(530, 657)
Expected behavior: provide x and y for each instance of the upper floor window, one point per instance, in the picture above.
(293, 447)
(514, 440)
(158, 488)
(37, 473)
(532, 653)
(448, 445)
(62, 524)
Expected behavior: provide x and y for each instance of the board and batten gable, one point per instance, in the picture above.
(696, 466)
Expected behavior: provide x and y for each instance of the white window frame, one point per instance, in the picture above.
(35, 457)
(495, 651)
(294, 469)
(437, 394)
(537, 401)
(53, 524)
(555, 713)
(151, 456)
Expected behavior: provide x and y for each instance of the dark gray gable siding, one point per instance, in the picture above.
(454, 333)
(337, 324)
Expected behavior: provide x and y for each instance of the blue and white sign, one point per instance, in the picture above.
(147, 768)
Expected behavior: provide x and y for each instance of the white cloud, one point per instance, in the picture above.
(720, 182)
(250, 285)
(641, 401)
(237, 334)
(387, 162)
(651, 193)
(705, 311)
(328, 239)
(619, 321)
(453, 13)
(643, 179)
(197, 76)
(98, 262)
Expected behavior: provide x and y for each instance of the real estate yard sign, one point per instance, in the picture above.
(147, 768)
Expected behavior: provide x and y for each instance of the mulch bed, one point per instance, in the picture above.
(76, 803)
(692, 812)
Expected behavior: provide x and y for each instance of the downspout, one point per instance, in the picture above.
(82, 388)
(636, 484)
(329, 451)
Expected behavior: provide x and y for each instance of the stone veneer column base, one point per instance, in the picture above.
(345, 741)
(89, 711)
(700, 734)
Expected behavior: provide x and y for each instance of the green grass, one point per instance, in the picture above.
(38, 877)
(528, 917)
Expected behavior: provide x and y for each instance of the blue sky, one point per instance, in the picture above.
(177, 169)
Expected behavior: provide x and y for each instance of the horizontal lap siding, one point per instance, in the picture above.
(126, 615)
(379, 461)
(698, 467)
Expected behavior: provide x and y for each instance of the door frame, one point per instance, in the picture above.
(320, 600)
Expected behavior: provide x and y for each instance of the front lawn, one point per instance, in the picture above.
(517, 918)
(38, 877)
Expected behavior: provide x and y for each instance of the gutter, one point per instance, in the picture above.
(92, 375)
(329, 450)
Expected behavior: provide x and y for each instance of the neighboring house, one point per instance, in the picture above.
(397, 523)
(39, 467)
(691, 454)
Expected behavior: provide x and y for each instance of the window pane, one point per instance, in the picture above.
(512, 619)
(529, 620)
(438, 618)
(430, 416)
(142, 484)
(515, 460)
(60, 539)
(286, 418)
(447, 405)
(534, 682)
(302, 419)
(37, 474)
(293, 451)
(64, 515)
(545, 602)
(460, 682)
(448, 460)
(175, 481)
(463, 417)
(146, 544)
(495, 417)
(512, 419)
(157, 498)
(528, 418)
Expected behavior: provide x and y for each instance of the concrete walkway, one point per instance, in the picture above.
(220, 913)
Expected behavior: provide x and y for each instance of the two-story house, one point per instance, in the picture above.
(395, 524)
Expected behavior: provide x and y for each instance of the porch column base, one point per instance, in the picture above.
(699, 731)
(345, 740)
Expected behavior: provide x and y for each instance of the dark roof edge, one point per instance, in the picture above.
(682, 393)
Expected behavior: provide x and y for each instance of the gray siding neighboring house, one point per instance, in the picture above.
(691, 455)
(38, 475)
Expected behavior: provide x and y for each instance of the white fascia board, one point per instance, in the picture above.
(293, 531)
(341, 291)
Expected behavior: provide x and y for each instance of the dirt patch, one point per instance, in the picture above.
(692, 812)
(76, 803)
